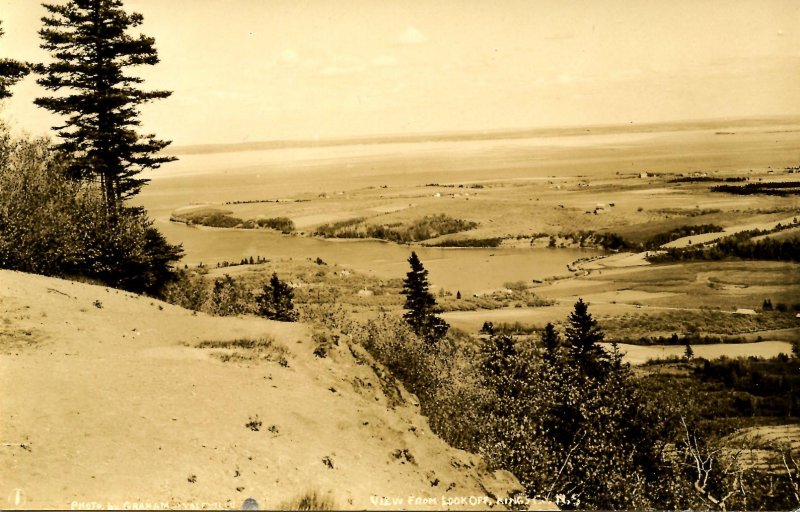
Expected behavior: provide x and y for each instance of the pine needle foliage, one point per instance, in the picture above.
(100, 98)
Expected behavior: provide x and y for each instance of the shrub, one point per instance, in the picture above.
(54, 226)
(275, 301)
(227, 298)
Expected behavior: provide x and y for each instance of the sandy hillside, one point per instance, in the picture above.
(106, 399)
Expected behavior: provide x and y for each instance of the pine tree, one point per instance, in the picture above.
(584, 335)
(11, 72)
(420, 303)
(92, 50)
(275, 301)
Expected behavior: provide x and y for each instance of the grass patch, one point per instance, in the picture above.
(248, 350)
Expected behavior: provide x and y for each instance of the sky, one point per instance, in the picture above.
(250, 70)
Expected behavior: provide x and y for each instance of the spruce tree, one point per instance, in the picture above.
(421, 304)
(550, 342)
(92, 53)
(11, 72)
(688, 353)
(584, 335)
(275, 301)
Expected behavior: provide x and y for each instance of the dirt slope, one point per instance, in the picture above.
(105, 401)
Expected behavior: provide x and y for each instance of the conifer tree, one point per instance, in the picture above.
(92, 55)
(275, 301)
(11, 72)
(550, 342)
(584, 335)
(421, 304)
(688, 353)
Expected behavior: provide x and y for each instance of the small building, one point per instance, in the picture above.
(643, 175)
(745, 311)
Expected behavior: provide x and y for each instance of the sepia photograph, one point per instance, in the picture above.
(400, 255)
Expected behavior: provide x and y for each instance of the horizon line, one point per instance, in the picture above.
(473, 134)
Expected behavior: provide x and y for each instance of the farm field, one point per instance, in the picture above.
(399, 255)
(521, 190)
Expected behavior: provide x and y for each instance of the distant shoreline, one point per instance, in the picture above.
(475, 135)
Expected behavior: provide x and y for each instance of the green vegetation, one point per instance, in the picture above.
(282, 224)
(697, 325)
(62, 209)
(341, 229)
(770, 188)
(420, 304)
(248, 350)
(680, 232)
(685, 339)
(571, 420)
(468, 242)
(739, 246)
(56, 226)
(588, 436)
(428, 227)
(214, 218)
(92, 54)
(11, 72)
(706, 179)
(275, 301)
(608, 241)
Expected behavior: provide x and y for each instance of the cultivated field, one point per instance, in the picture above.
(531, 195)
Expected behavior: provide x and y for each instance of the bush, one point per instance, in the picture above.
(275, 301)
(54, 226)
(228, 299)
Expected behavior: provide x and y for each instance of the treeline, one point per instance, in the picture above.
(736, 246)
(731, 392)
(608, 241)
(762, 387)
(222, 219)
(468, 242)
(690, 339)
(680, 232)
(616, 242)
(226, 296)
(706, 179)
(425, 228)
(771, 188)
